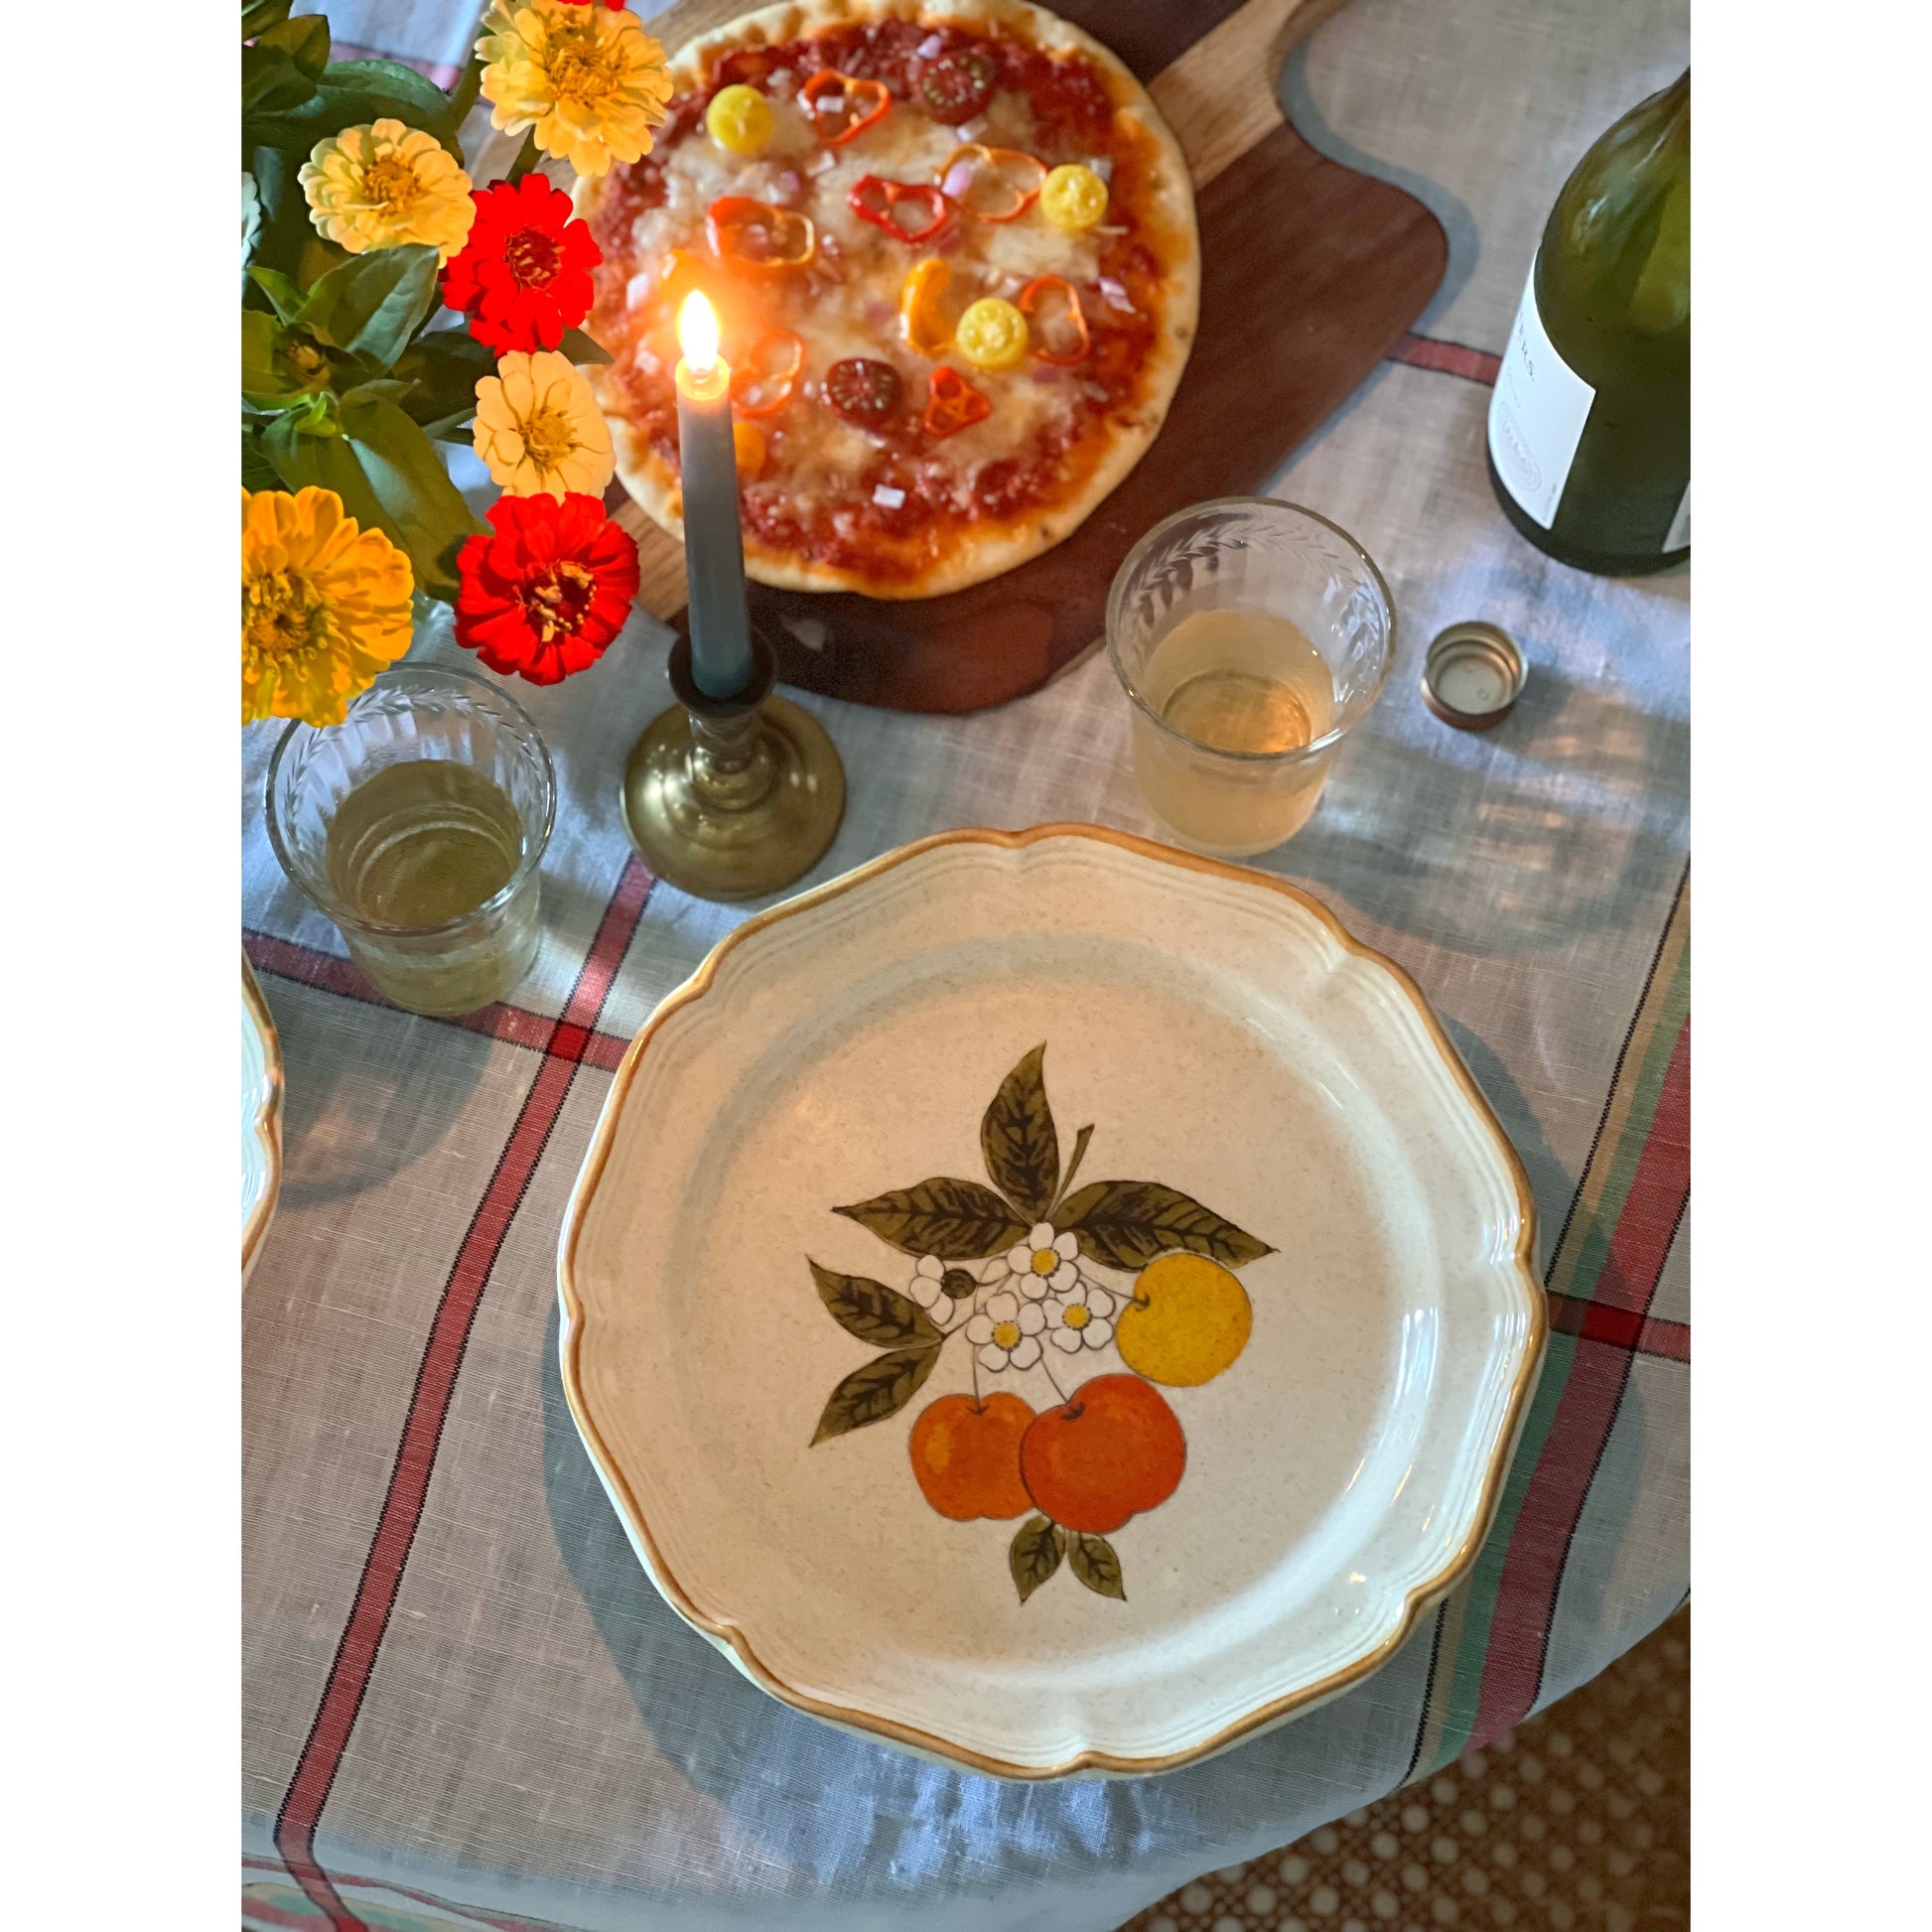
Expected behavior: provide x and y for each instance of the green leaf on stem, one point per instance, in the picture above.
(580, 348)
(874, 1313)
(875, 1390)
(1127, 1223)
(528, 156)
(283, 293)
(1035, 1554)
(957, 1220)
(1019, 1139)
(422, 510)
(257, 16)
(1093, 1562)
(443, 367)
(350, 95)
(370, 305)
(304, 40)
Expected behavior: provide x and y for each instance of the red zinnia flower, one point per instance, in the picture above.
(546, 592)
(524, 275)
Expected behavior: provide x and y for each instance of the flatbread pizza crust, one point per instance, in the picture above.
(995, 545)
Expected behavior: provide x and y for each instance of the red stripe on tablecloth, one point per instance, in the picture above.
(422, 1430)
(1539, 1542)
(516, 1026)
(1447, 359)
(443, 73)
(1642, 1335)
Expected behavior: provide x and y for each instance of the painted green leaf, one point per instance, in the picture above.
(1127, 1223)
(957, 1220)
(874, 1313)
(1017, 1138)
(875, 1390)
(1092, 1560)
(1035, 1554)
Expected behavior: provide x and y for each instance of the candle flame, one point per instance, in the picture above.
(697, 332)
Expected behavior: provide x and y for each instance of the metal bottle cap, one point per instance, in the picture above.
(1472, 676)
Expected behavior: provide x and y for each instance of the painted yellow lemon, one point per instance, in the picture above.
(1189, 1320)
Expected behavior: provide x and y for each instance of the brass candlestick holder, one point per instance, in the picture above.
(731, 798)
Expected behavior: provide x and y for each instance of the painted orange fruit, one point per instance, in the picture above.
(966, 1455)
(1115, 1449)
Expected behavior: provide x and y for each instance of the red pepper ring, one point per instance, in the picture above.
(767, 378)
(758, 237)
(859, 103)
(876, 199)
(992, 183)
(952, 403)
(1028, 299)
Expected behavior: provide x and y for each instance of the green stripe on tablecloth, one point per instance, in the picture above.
(1574, 1269)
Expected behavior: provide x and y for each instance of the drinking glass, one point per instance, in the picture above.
(420, 712)
(1253, 554)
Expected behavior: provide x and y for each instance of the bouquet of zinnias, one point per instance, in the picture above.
(389, 304)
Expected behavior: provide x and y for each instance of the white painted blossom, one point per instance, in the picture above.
(1005, 1334)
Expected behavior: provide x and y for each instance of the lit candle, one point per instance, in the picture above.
(714, 548)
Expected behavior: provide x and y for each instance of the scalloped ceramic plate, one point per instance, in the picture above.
(1035, 1470)
(261, 1118)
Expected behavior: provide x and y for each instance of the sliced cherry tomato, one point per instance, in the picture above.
(952, 403)
(992, 183)
(842, 106)
(876, 199)
(921, 321)
(758, 237)
(864, 391)
(1041, 288)
(956, 86)
(765, 380)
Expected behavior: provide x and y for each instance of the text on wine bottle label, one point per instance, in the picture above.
(1537, 413)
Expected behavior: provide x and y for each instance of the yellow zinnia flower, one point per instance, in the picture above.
(325, 606)
(539, 429)
(591, 81)
(379, 186)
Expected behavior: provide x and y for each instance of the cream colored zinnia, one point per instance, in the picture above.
(590, 80)
(380, 185)
(539, 429)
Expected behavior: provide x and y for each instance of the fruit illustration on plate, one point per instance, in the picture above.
(1190, 1318)
(1032, 1274)
(966, 1455)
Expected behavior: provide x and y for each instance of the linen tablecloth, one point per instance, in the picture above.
(463, 1704)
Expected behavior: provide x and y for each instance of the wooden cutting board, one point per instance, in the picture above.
(1310, 273)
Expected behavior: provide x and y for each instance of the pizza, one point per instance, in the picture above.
(953, 255)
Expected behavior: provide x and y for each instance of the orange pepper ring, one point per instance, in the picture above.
(952, 403)
(923, 327)
(786, 375)
(1029, 295)
(854, 90)
(985, 156)
(729, 215)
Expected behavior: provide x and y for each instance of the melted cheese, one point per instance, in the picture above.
(848, 304)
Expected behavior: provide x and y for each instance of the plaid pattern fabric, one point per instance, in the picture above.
(463, 1704)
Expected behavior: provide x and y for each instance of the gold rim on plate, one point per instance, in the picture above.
(722, 1630)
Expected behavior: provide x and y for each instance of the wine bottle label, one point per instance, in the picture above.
(1537, 413)
(1679, 533)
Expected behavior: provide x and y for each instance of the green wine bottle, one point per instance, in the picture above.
(1590, 422)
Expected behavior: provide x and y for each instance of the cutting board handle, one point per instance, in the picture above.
(1223, 95)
